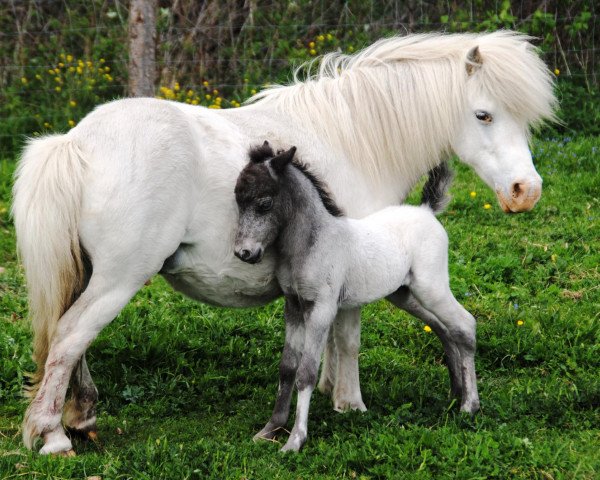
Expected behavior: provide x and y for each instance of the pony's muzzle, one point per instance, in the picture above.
(522, 196)
(249, 256)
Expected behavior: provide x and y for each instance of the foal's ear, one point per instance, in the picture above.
(280, 161)
(474, 60)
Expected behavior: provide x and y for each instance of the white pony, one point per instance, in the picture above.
(144, 186)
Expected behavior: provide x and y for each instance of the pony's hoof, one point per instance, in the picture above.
(68, 453)
(294, 444)
(343, 405)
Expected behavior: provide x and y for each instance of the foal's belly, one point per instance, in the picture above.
(230, 283)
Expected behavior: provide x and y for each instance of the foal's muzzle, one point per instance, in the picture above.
(249, 256)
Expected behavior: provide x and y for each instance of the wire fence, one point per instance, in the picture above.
(235, 47)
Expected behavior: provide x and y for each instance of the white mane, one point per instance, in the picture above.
(393, 107)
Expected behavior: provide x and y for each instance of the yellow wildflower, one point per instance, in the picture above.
(72, 103)
(57, 70)
(553, 257)
(47, 125)
(194, 102)
(556, 72)
(207, 96)
(320, 38)
(24, 80)
(253, 92)
(205, 83)
(102, 60)
(79, 70)
(69, 58)
(190, 93)
(51, 71)
(61, 65)
(71, 123)
(88, 64)
(313, 52)
(176, 87)
(215, 92)
(427, 328)
(311, 45)
(218, 100)
(520, 323)
(71, 69)
(329, 37)
(107, 69)
(350, 48)
(58, 89)
(487, 206)
(473, 194)
(39, 77)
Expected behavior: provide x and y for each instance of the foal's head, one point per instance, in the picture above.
(261, 209)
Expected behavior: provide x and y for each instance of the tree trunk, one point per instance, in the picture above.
(142, 47)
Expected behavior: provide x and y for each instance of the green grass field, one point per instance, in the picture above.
(183, 387)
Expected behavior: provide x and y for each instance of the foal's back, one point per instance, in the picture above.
(383, 251)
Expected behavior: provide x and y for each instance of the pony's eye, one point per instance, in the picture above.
(264, 205)
(484, 117)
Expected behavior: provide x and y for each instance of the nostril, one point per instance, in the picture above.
(245, 254)
(518, 189)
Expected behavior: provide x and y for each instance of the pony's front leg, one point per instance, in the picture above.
(290, 359)
(346, 391)
(101, 301)
(318, 319)
(79, 416)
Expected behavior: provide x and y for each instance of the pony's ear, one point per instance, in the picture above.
(474, 60)
(280, 161)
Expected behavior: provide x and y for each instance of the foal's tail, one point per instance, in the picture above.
(46, 210)
(435, 191)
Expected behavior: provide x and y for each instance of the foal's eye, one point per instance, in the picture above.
(264, 205)
(484, 117)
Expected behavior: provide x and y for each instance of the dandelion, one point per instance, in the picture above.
(520, 323)
(207, 96)
(57, 80)
(556, 72)
(61, 65)
(205, 83)
(38, 77)
(329, 37)
(218, 100)
(24, 80)
(487, 206)
(69, 58)
(553, 257)
(473, 194)
(253, 92)
(215, 92)
(194, 102)
(176, 87)
(350, 48)
(107, 69)
(71, 69)
(72, 103)
(245, 80)
(427, 328)
(313, 52)
(71, 123)
(102, 60)
(311, 45)
(57, 88)
(79, 70)
(320, 38)
(57, 70)
(51, 71)
(190, 93)
(47, 125)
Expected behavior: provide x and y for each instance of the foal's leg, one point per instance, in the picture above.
(101, 301)
(329, 367)
(346, 392)
(438, 299)
(403, 299)
(79, 415)
(317, 322)
(290, 359)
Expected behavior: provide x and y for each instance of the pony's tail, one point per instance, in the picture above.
(435, 191)
(46, 210)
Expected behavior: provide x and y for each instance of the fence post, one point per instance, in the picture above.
(142, 47)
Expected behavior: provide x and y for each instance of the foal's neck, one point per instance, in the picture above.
(306, 215)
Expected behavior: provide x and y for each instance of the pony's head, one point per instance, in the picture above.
(261, 210)
(492, 134)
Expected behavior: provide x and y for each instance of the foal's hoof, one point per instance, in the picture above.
(268, 433)
(294, 444)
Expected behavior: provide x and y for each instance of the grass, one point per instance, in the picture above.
(184, 386)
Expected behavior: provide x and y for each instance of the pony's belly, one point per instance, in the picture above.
(230, 283)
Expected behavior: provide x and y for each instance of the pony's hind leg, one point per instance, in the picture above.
(79, 416)
(290, 359)
(329, 367)
(405, 300)
(101, 301)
